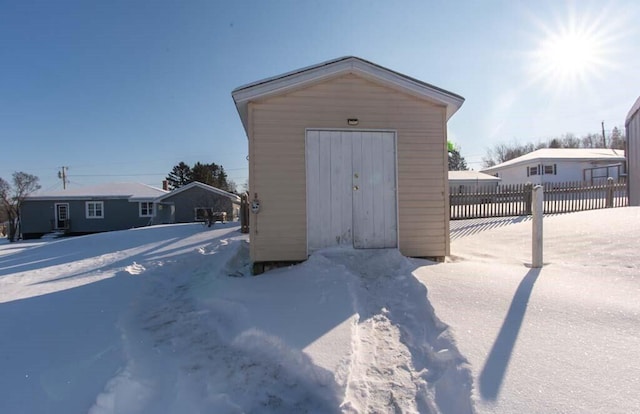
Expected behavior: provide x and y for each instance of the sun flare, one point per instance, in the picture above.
(572, 52)
(570, 55)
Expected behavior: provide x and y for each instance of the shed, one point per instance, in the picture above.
(632, 124)
(190, 202)
(346, 152)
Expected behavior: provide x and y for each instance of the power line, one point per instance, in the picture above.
(117, 175)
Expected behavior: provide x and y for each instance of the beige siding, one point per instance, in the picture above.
(633, 158)
(277, 166)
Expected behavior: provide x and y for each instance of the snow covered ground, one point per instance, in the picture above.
(165, 319)
(565, 338)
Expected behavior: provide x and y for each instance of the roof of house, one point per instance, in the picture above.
(130, 191)
(562, 154)
(307, 76)
(206, 187)
(471, 175)
(634, 109)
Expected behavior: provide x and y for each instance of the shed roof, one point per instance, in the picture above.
(562, 154)
(337, 67)
(634, 109)
(471, 175)
(131, 191)
(206, 187)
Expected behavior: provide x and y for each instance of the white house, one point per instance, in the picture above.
(555, 165)
(632, 125)
(470, 181)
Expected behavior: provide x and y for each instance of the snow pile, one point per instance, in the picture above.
(402, 357)
(218, 348)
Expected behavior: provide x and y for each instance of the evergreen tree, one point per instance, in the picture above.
(180, 175)
(213, 175)
(210, 174)
(456, 160)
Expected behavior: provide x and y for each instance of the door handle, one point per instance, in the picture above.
(356, 188)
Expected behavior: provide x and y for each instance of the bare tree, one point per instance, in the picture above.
(505, 152)
(12, 197)
(591, 141)
(569, 141)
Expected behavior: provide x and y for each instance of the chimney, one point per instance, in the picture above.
(165, 185)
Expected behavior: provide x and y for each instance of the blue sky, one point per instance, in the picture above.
(123, 90)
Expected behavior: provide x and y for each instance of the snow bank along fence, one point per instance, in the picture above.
(515, 200)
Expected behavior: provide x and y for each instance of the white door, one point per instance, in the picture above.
(62, 216)
(351, 197)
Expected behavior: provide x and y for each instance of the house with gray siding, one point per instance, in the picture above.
(190, 203)
(93, 209)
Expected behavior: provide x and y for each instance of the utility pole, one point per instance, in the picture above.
(604, 138)
(62, 174)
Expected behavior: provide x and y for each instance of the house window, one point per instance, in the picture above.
(146, 209)
(201, 213)
(532, 171)
(94, 209)
(550, 169)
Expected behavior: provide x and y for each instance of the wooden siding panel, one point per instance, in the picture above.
(633, 158)
(277, 162)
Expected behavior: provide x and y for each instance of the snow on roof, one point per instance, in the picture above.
(634, 109)
(471, 175)
(203, 186)
(132, 191)
(279, 84)
(563, 154)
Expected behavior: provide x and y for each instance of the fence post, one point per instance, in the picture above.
(610, 186)
(536, 239)
(527, 197)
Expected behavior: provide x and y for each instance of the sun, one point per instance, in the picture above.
(570, 55)
(572, 52)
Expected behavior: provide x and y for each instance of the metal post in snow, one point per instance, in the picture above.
(609, 201)
(537, 214)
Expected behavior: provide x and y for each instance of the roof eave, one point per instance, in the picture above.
(212, 189)
(632, 112)
(78, 197)
(552, 159)
(315, 74)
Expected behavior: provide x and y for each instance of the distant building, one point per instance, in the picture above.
(91, 209)
(555, 165)
(470, 181)
(191, 202)
(120, 206)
